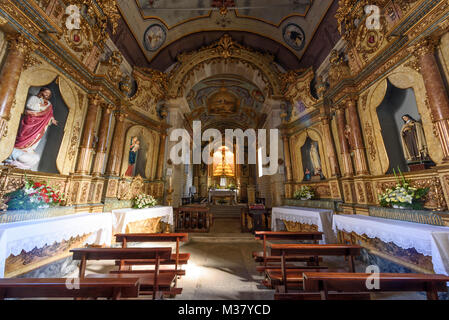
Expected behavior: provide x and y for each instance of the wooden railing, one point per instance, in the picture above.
(193, 219)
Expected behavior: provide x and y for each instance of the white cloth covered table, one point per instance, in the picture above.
(426, 239)
(313, 216)
(121, 217)
(27, 235)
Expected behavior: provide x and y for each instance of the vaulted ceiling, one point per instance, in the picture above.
(161, 29)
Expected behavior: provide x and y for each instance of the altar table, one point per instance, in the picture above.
(27, 235)
(322, 218)
(426, 239)
(122, 217)
(223, 193)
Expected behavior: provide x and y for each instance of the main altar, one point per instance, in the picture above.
(228, 195)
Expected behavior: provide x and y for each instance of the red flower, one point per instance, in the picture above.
(37, 184)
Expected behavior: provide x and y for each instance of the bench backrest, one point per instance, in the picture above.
(85, 254)
(120, 253)
(356, 282)
(284, 235)
(315, 249)
(59, 288)
(152, 237)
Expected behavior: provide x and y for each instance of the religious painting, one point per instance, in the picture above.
(311, 161)
(402, 130)
(154, 37)
(294, 36)
(222, 102)
(40, 131)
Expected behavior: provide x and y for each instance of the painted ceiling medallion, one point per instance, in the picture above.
(294, 36)
(154, 37)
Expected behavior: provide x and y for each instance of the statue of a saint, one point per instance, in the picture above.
(315, 159)
(413, 140)
(133, 149)
(35, 122)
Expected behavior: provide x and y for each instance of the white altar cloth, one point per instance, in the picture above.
(426, 239)
(313, 216)
(27, 235)
(121, 217)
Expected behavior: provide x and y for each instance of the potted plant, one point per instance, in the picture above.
(403, 196)
(144, 201)
(232, 187)
(304, 193)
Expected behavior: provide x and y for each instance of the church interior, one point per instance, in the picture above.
(224, 149)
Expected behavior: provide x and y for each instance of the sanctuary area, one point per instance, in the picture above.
(224, 149)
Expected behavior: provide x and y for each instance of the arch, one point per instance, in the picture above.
(402, 77)
(151, 153)
(298, 141)
(224, 56)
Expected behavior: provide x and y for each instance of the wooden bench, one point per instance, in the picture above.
(151, 283)
(193, 219)
(298, 250)
(110, 288)
(264, 259)
(177, 259)
(388, 282)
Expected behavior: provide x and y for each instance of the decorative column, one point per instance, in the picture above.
(361, 165)
(344, 147)
(335, 170)
(18, 46)
(87, 139)
(115, 154)
(288, 163)
(436, 92)
(100, 154)
(160, 161)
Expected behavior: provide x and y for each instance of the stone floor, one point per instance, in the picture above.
(221, 266)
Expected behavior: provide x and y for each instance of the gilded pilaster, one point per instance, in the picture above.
(100, 154)
(18, 46)
(436, 92)
(360, 162)
(87, 139)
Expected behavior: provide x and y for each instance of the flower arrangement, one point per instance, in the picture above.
(144, 201)
(232, 186)
(34, 195)
(403, 195)
(305, 193)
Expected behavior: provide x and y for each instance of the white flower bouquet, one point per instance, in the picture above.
(403, 195)
(144, 201)
(305, 193)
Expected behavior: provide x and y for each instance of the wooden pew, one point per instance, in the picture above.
(298, 250)
(177, 259)
(57, 288)
(263, 258)
(388, 282)
(150, 283)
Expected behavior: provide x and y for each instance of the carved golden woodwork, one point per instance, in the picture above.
(297, 88)
(225, 51)
(151, 88)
